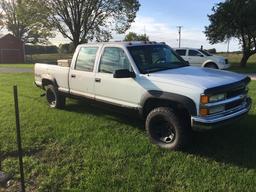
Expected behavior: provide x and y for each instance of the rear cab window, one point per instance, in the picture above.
(86, 59)
(181, 52)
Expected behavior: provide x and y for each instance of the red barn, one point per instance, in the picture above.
(11, 49)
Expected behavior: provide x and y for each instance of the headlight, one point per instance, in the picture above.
(216, 98)
(213, 110)
(204, 99)
(217, 109)
(222, 61)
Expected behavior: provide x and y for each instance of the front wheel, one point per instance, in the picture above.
(211, 66)
(54, 98)
(166, 129)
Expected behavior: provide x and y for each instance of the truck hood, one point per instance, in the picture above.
(198, 77)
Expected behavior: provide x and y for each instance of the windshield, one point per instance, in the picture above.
(204, 52)
(153, 58)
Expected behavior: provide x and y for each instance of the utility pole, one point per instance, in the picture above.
(228, 46)
(179, 28)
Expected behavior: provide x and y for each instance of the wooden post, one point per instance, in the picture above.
(20, 153)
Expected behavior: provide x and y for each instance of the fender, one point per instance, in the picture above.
(186, 102)
(208, 61)
(48, 77)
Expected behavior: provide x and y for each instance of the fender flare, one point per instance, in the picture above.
(49, 78)
(184, 101)
(209, 61)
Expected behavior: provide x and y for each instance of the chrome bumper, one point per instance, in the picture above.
(213, 121)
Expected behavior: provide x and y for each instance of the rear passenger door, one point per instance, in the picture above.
(81, 76)
(120, 91)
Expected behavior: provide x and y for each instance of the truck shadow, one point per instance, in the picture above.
(118, 114)
(234, 144)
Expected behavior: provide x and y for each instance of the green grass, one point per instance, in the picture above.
(17, 65)
(86, 148)
(52, 58)
(235, 59)
(47, 58)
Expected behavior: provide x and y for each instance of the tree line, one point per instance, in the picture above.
(35, 21)
(81, 21)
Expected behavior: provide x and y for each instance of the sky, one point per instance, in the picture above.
(160, 18)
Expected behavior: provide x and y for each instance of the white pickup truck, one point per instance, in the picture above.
(201, 58)
(173, 97)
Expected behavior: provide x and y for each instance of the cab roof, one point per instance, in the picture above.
(126, 43)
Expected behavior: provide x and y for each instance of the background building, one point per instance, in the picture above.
(11, 49)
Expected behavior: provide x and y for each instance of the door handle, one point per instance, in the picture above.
(73, 76)
(97, 80)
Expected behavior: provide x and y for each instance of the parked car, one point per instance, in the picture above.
(173, 97)
(201, 58)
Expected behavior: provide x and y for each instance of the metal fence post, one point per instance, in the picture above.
(20, 153)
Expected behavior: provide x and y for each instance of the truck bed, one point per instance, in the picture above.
(59, 73)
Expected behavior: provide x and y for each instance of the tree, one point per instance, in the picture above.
(84, 20)
(212, 51)
(66, 48)
(1, 21)
(131, 36)
(234, 19)
(27, 20)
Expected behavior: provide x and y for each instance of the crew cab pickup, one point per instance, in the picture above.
(173, 97)
(201, 58)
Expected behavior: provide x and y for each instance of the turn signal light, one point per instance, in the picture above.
(204, 99)
(204, 112)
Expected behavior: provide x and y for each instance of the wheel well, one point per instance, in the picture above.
(46, 82)
(211, 63)
(176, 106)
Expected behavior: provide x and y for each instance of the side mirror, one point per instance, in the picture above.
(124, 73)
(200, 55)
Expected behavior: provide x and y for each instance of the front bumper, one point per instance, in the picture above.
(210, 122)
(224, 66)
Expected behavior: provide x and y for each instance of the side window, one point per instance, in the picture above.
(86, 59)
(194, 53)
(113, 59)
(181, 52)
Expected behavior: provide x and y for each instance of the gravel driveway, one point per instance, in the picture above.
(15, 70)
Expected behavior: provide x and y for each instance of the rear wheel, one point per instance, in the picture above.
(54, 98)
(166, 129)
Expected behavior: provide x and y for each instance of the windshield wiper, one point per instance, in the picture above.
(156, 69)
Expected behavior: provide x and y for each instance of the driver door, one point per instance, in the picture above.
(120, 91)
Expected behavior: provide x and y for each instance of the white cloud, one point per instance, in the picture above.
(159, 31)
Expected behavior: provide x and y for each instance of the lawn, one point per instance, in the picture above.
(17, 65)
(235, 59)
(91, 148)
(47, 58)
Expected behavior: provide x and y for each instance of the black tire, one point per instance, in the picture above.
(166, 129)
(211, 66)
(54, 98)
